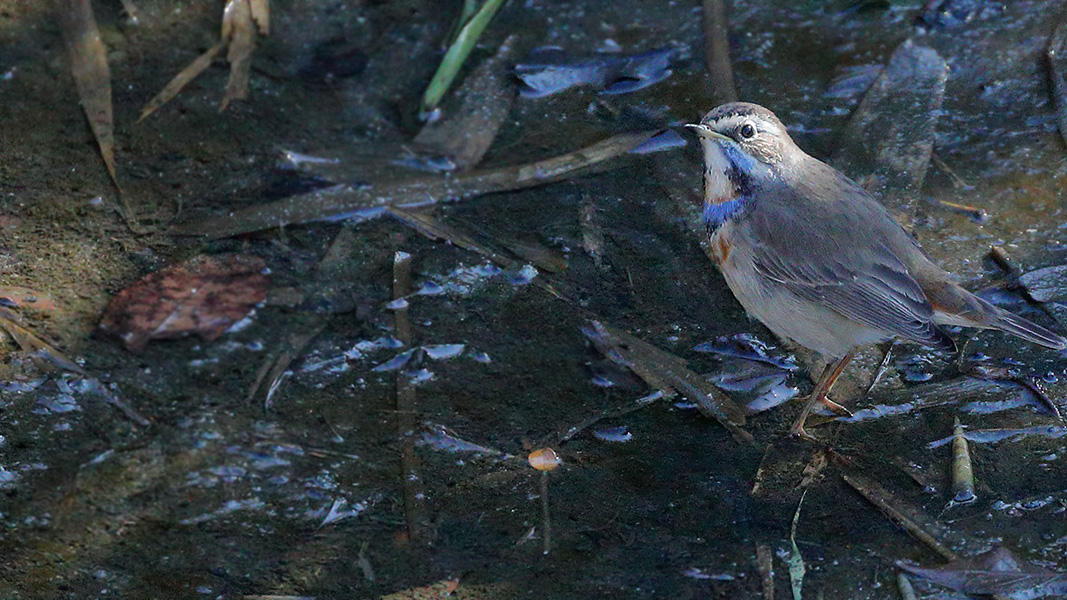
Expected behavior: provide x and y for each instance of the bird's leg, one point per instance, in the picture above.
(822, 389)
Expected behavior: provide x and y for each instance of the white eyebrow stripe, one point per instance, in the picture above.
(729, 123)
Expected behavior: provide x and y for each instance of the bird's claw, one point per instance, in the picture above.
(798, 431)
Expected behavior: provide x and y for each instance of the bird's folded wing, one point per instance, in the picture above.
(875, 290)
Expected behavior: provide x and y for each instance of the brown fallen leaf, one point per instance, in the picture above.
(88, 64)
(205, 296)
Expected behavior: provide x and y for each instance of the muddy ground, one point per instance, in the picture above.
(223, 496)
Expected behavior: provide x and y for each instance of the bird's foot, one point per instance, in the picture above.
(832, 406)
(798, 431)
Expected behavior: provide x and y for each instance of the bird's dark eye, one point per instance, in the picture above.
(748, 131)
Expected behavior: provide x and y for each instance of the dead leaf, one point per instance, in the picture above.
(88, 64)
(239, 28)
(204, 296)
(475, 114)
(241, 20)
(44, 355)
(995, 573)
(664, 371)
(261, 15)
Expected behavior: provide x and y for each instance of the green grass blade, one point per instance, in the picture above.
(457, 53)
(469, 8)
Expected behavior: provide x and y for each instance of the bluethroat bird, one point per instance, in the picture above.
(817, 259)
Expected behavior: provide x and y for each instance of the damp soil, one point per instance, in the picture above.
(224, 495)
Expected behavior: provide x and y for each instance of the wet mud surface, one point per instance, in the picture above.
(225, 494)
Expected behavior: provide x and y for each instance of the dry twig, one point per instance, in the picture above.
(717, 52)
(406, 408)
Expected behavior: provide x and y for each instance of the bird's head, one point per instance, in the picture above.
(744, 145)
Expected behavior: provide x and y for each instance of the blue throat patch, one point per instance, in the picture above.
(740, 165)
(717, 214)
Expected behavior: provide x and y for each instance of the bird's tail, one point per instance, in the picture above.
(1028, 330)
(954, 305)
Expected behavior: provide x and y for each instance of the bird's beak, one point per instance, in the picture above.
(706, 132)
